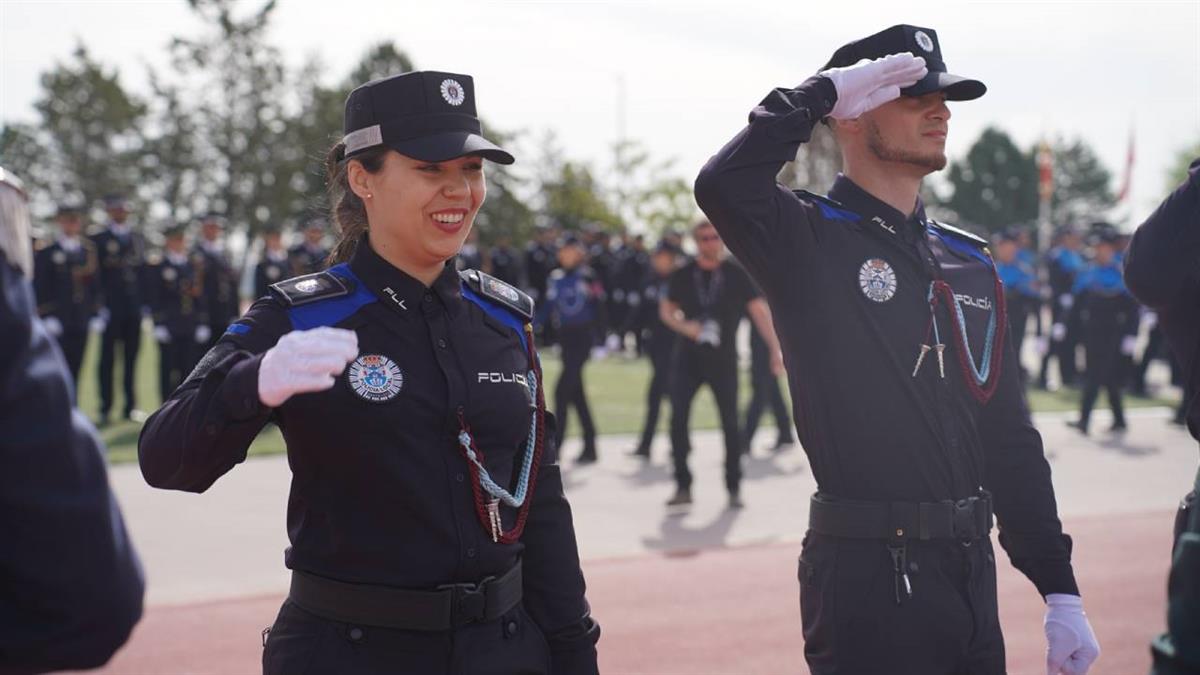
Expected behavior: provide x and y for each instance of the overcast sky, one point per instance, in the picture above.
(692, 70)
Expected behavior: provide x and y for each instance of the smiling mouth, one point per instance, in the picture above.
(449, 218)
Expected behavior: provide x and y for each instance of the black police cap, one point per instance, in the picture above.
(68, 209)
(173, 229)
(917, 41)
(425, 115)
(115, 201)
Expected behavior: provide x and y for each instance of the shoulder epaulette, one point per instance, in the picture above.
(831, 209)
(308, 288)
(961, 234)
(499, 292)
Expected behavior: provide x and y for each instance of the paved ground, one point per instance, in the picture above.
(213, 590)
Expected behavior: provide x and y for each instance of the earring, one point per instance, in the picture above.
(369, 195)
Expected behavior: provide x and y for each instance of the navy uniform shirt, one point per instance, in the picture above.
(122, 258)
(381, 492)
(220, 286)
(575, 297)
(1162, 268)
(177, 293)
(271, 270)
(847, 278)
(71, 583)
(67, 283)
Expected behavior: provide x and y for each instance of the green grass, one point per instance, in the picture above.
(616, 391)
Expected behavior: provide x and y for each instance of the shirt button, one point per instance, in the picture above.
(356, 634)
(442, 343)
(511, 628)
(428, 297)
(471, 552)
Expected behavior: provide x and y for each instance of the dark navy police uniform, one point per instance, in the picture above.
(122, 256)
(178, 306)
(576, 307)
(897, 573)
(382, 497)
(67, 286)
(1162, 269)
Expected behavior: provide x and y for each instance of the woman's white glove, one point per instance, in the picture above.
(304, 361)
(162, 334)
(202, 334)
(53, 326)
(867, 85)
(1071, 644)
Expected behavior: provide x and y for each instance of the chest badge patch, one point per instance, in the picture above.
(877, 280)
(375, 378)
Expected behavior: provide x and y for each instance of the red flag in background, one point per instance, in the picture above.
(1045, 164)
(1127, 181)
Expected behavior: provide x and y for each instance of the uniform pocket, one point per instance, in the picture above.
(814, 572)
(294, 640)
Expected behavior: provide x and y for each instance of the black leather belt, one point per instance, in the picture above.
(965, 519)
(444, 608)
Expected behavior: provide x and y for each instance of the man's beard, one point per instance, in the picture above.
(934, 161)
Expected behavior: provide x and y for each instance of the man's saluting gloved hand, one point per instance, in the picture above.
(1072, 646)
(869, 84)
(304, 361)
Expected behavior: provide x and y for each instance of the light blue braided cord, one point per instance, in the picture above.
(485, 479)
(981, 377)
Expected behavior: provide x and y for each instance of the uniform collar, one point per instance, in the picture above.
(69, 244)
(878, 213)
(400, 291)
(176, 258)
(276, 256)
(119, 229)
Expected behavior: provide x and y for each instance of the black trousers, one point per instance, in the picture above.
(176, 359)
(764, 392)
(853, 626)
(1106, 368)
(1064, 351)
(660, 361)
(128, 331)
(576, 342)
(717, 369)
(301, 642)
(72, 343)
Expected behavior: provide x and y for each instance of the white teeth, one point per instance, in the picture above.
(448, 217)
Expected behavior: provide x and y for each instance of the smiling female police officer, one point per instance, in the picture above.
(427, 520)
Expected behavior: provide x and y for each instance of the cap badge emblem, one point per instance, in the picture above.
(375, 378)
(453, 92)
(877, 280)
(923, 40)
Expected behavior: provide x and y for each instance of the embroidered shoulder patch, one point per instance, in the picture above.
(499, 292)
(309, 288)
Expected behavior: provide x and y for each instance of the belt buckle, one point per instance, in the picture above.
(963, 521)
(468, 601)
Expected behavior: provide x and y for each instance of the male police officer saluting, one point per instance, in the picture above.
(907, 400)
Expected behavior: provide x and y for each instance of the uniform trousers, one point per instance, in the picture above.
(576, 342)
(128, 331)
(853, 626)
(300, 642)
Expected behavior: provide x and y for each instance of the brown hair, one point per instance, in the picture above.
(346, 210)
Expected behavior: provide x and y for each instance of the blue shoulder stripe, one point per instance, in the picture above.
(834, 213)
(498, 313)
(329, 312)
(960, 246)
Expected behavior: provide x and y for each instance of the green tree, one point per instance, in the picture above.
(243, 101)
(569, 195)
(995, 185)
(1082, 185)
(88, 139)
(504, 214)
(649, 193)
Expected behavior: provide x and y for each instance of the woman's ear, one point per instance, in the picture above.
(359, 179)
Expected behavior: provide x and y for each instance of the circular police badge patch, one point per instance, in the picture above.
(877, 280)
(113, 246)
(59, 257)
(307, 286)
(168, 274)
(923, 40)
(375, 378)
(453, 92)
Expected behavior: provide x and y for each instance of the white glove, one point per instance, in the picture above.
(613, 343)
(867, 85)
(203, 333)
(162, 334)
(304, 361)
(1066, 300)
(97, 324)
(1071, 644)
(1127, 344)
(1058, 331)
(1150, 319)
(53, 326)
